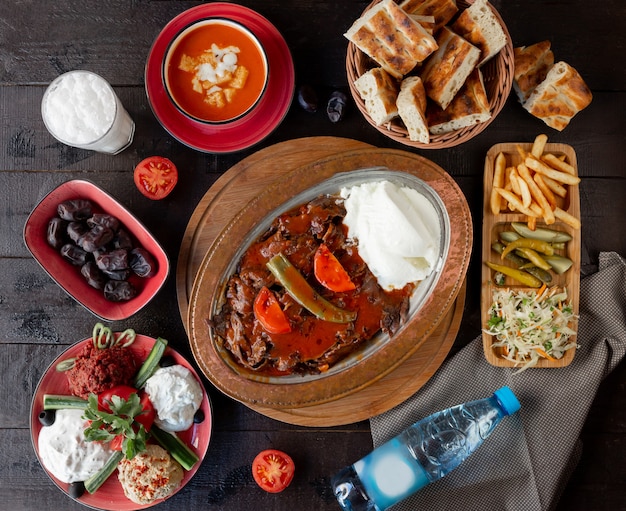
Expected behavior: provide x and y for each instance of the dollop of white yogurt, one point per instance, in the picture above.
(397, 230)
(176, 396)
(64, 451)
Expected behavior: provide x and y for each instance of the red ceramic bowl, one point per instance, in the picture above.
(68, 276)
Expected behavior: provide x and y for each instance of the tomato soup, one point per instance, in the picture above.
(215, 70)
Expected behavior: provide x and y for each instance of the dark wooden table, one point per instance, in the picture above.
(40, 39)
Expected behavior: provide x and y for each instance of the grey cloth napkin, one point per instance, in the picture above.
(526, 462)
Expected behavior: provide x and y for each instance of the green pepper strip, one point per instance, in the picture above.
(541, 274)
(296, 285)
(540, 246)
(534, 257)
(102, 336)
(128, 335)
(521, 276)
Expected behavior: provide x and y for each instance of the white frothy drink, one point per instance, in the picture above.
(81, 109)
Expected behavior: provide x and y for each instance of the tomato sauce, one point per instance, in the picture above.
(200, 40)
(312, 345)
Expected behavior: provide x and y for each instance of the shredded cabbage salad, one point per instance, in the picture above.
(531, 324)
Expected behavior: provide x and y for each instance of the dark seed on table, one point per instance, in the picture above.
(119, 291)
(57, 231)
(307, 98)
(336, 106)
(74, 209)
(47, 417)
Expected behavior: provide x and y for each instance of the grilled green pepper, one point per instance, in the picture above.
(297, 286)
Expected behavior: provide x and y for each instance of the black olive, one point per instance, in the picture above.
(104, 220)
(76, 489)
(142, 263)
(75, 255)
(94, 277)
(47, 417)
(307, 98)
(167, 361)
(198, 417)
(119, 290)
(336, 106)
(74, 209)
(56, 232)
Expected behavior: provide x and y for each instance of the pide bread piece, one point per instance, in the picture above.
(442, 10)
(532, 64)
(470, 106)
(479, 25)
(427, 22)
(379, 91)
(389, 36)
(411, 108)
(446, 70)
(559, 97)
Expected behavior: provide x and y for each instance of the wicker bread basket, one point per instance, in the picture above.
(497, 75)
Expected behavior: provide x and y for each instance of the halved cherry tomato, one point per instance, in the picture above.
(268, 312)
(148, 414)
(155, 177)
(329, 272)
(117, 444)
(273, 470)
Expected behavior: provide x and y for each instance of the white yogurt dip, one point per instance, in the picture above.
(397, 231)
(64, 451)
(176, 396)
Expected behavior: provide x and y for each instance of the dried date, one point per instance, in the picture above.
(119, 291)
(75, 230)
(96, 238)
(336, 107)
(57, 232)
(75, 255)
(113, 260)
(75, 209)
(94, 277)
(142, 263)
(108, 221)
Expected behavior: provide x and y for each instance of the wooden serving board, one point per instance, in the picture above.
(493, 225)
(232, 191)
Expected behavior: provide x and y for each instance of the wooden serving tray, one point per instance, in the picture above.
(221, 203)
(494, 225)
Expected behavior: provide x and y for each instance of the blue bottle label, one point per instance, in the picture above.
(390, 473)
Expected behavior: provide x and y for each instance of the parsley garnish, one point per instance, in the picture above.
(106, 426)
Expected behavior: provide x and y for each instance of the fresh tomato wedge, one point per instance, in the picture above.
(268, 312)
(145, 418)
(117, 444)
(273, 470)
(329, 272)
(155, 177)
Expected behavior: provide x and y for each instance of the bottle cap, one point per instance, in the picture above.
(507, 400)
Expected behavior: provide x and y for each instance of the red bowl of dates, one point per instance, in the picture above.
(96, 250)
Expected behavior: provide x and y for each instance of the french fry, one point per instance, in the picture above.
(558, 164)
(537, 194)
(514, 178)
(566, 218)
(557, 175)
(531, 222)
(524, 191)
(498, 182)
(516, 202)
(556, 188)
(538, 178)
(538, 145)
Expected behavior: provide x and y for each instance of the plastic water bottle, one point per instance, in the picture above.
(421, 454)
